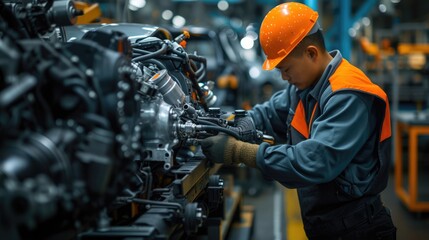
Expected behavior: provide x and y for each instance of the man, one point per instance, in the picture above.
(334, 126)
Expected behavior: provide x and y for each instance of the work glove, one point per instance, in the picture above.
(246, 129)
(225, 149)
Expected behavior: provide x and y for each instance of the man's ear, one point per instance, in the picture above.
(312, 52)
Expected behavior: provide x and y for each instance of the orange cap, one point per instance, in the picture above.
(283, 28)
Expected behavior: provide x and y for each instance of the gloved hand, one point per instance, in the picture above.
(246, 129)
(225, 149)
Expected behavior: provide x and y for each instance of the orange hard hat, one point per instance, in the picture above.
(283, 28)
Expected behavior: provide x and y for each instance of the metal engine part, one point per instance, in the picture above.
(169, 89)
(100, 130)
(160, 121)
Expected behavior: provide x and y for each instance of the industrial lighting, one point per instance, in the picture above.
(247, 42)
(417, 61)
(382, 8)
(366, 21)
(132, 8)
(356, 25)
(167, 14)
(254, 72)
(179, 21)
(222, 5)
(395, 1)
(253, 35)
(135, 5)
(352, 32)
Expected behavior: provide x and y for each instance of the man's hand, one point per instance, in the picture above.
(246, 129)
(228, 150)
(215, 147)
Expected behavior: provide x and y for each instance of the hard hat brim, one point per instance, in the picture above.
(270, 64)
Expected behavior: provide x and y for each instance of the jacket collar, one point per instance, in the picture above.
(316, 90)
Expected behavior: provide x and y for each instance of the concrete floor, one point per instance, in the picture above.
(270, 222)
(411, 226)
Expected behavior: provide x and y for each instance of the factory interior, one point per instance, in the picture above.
(106, 108)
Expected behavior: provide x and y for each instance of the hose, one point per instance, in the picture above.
(206, 122)
(162, 50)
(138, 53)
(159, 64)
(181, 54)
(197, 87)
(203, 62)
(219, 129)
(199, 72)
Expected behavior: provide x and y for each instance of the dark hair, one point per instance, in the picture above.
(313, 39)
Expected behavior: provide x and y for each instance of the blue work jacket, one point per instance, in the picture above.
(333, 141)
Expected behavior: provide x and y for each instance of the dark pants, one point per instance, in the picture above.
(378, 226)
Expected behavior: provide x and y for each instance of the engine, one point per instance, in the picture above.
(101, 127)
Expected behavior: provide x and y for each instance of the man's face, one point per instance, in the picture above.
(298, 70)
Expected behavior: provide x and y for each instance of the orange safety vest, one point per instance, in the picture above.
(346, 77)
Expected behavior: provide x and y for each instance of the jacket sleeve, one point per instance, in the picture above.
(336, 137)
(271, 116)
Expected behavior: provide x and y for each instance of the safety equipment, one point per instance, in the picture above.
(225, 149)
(245, 127)
(283, 28)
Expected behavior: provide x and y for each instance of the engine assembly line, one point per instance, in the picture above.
(214, 119)
(100, 134)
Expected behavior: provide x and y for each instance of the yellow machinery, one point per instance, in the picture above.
(91, 13)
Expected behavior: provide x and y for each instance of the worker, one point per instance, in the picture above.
(332, 131)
